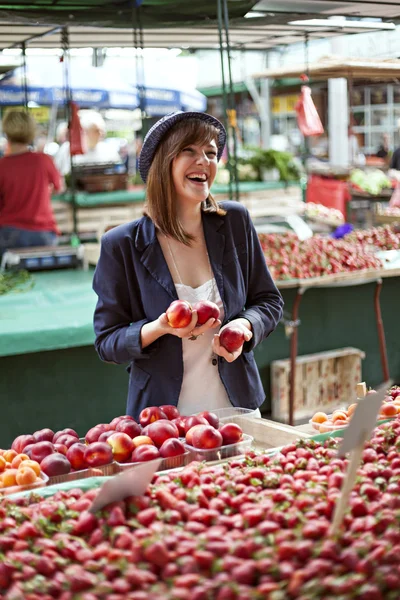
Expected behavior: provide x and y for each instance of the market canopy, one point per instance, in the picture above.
(332, 67)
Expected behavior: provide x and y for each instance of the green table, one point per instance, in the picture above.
(51, 375)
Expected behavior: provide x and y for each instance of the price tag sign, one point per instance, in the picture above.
(133, 482)
(300, 227)
(363, 420)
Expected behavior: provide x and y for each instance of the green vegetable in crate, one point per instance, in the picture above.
(372, 181)
(11, 280)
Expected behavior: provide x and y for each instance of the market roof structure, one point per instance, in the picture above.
(179, 23)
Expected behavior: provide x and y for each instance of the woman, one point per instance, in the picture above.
(26, 181)
(190, 248)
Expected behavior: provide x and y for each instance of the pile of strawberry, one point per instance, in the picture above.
(384, 237)
(256, 528)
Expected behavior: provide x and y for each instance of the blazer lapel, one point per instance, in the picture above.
(215, 240)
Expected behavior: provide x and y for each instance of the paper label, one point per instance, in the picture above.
(133, 482)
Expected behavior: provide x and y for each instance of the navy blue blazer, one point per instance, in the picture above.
(134, 286)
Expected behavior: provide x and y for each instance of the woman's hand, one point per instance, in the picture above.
(192, 330)
(243, 324)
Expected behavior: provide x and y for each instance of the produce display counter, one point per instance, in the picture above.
(51, 367)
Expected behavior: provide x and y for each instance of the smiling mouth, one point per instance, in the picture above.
(201, 178)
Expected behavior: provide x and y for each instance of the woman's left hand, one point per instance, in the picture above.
(243, 324)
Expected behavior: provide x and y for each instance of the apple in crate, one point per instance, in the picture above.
(206, 310)
(67, 440)
(151, 414)
(65, 431)
(55, 464)
(189, 434)
(105, 435)
(179, 314)
(93, 434)
(44, 435)
(206, 437)
(142, 440)
(170, 411)
(162, 430)
(231, 433)
(144, 453)
(61, 448)
(129, 427)
(210, 417)
(194, 420)
(98, 454)
(180, 423)
(21, 442)
(121, 445)
(76, 456)
(40, 450)
(172, 447)
(231, 338)
(116, 420)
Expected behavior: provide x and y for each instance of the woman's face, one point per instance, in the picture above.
(193, 172)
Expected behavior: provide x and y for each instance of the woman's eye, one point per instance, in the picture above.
(187, 150)
(212, 154)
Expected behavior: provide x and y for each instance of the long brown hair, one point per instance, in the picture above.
(160, 205)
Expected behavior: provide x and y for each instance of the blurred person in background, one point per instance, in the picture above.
(384, 148)
(27, 180)
(97, 151)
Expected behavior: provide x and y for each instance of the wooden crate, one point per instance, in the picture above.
(96, 219)
(324, 381)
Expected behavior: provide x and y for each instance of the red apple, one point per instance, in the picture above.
(206, 437)
(61, 448)
(231, 338)
(97, 454)
(206, 310)
(172, 447)
(162, 430)
(210, 417)
(40, 450)
(44, 435)
(180, 423)
(170, 411)
(179, 314)
(151, 414)
(144, 453)
(194, 420)
(129, 427)
(231, 433)
(55, 464)
(76, 456)
(21, 442)
(65, 431)
(189, 434)
(28, 449)
(121, 445)
(142, 440)
(105, 435)
(116, 420)
(67, 440)
(93, 434)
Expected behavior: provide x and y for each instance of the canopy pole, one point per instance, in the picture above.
(307, 64)
(138, 43)
(68, 98)
(224, 95)
(232, 117)
(25, 76)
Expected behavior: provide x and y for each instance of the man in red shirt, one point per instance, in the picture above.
(26, 181)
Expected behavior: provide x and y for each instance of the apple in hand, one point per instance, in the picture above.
(231, 433)
(172, 447)
(55, 464)
(170, 411)
(144, 453)
(76, 456)
(21, 442)
(210, 417)
(129, 427)
(121, 445)
(179, 314)
(205, 437)
(151, 414)
(97, 454)
(162, 430)
(206, 310)
(44, 435)
(231, 338)
(40, 450)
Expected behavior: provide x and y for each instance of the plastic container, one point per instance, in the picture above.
(227, 415)
(329, 192)
(173, 462)
(223, 452)
(316, 426)
(102, 470)
(14, 489)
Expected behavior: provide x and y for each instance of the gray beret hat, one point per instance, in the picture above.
(159, 129)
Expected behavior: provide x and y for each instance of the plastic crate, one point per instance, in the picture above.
(103, 470)
(15, 489)
(223, 452)
(329, 192)
(173, 462)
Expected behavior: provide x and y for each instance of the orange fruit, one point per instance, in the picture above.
(388, 410)
(319, 417)
(32, 464)
(9, 477)
(18, 460)
(2, 463)
(351, 409)
(9, 455)
(25, 476)
(339, 414)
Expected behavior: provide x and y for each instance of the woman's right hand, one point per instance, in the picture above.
(190, 330)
